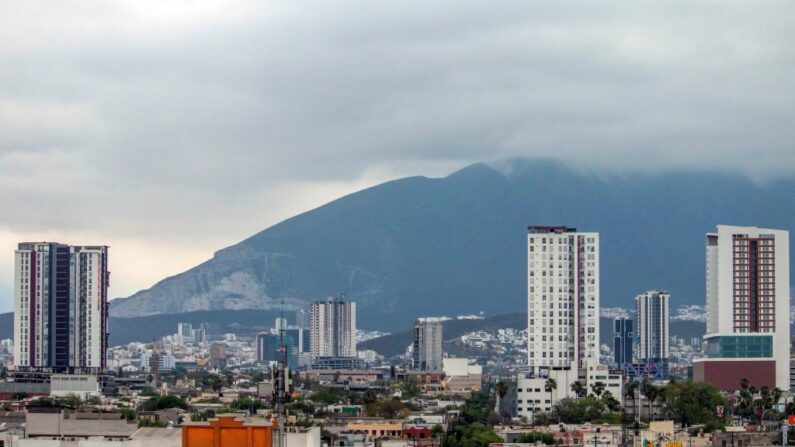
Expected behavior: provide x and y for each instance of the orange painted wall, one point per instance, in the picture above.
(226, 431)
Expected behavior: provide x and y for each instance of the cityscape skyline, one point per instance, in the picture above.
(82, 155)
(396, 224)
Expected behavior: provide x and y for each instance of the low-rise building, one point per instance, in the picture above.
(81, 385)
(302, 437)
(228, 431)
(532, 396)
(376, 429)
(613, 380)
(55, 423)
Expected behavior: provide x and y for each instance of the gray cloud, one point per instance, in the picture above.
(194, 124)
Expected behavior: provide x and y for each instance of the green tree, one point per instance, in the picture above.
(629, 391)
(71, 400)
(216, 383)
(690, 402)
(777, 393)
(327, 396)
(247, 404)
(129, 414)
(148, 391)
(650, 390)
(765, 397)
(597, 388)
(391, 408)
(370, 400)
(500, 390)
(578, 388)
(533, 436)
(549, 386)
(578, 411)
(610, 402)
(410, 388)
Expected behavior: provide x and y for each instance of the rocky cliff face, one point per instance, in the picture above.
(237, 277)
(420, 246)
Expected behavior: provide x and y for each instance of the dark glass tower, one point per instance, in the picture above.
(623, 329)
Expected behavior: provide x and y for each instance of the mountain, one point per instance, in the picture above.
(420, 246)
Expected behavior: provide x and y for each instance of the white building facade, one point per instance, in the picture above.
(563, 297)
(562, 313)
(427, 347)
(747, 295)
(332, 328)
(652, 311)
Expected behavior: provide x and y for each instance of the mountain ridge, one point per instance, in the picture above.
(456, 244)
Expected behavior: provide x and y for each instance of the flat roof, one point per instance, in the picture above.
(539, 229)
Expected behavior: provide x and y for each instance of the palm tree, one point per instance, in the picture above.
(598, 388)
(777, 393)
(629, 391)
(578, 388)
(610, 401)
(765, 397)
(549, 386)
(651, 392)
(369, 398)
(501, 389)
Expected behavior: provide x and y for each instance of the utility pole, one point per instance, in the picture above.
(280, 388)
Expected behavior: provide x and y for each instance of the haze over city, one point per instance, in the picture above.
(238, 223)
(169, 130)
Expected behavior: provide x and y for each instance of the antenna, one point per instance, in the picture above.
(281, 382)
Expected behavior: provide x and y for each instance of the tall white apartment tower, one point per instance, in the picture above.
(427, 346)
(60, 307)
(652, 310)
(562, 298)
(747, 285)
(332, 328)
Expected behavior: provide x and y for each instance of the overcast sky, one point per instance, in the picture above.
(168, 130)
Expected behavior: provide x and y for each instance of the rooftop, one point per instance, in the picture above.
(550, 229)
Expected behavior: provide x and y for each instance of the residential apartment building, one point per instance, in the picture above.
(748, 287)
(427, 345)
(60, 307)
(652, 311)
(563, 297)
(562, 313)
(332, 326)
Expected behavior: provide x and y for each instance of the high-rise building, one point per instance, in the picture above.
(332, 326)
(60, 307)
(301, 338)
(217, 355)
(268, 348)
(623, 335)
(281, 324)
(427, 345)
(563, 297)
(651, 310)
(747, 336)
(185, 333)
(301, 318)
(562, 314)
